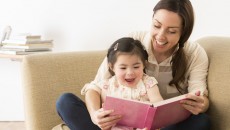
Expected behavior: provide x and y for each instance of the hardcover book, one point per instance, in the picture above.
(142, 114)
(25, 42)
(23, 52)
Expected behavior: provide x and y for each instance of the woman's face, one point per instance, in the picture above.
(165, 31)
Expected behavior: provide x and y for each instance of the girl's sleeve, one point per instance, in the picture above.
(90, 86)
(149, 81)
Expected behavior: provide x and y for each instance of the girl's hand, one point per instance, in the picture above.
(195, 103)
(103, 119)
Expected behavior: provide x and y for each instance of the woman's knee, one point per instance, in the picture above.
(200, 122)
(204, 122)
(66, 99)
(195, 122)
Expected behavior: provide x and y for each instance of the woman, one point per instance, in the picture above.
(179, 67)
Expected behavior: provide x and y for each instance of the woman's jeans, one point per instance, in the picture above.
(74, 113)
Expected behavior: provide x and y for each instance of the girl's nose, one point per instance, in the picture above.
(130, 72)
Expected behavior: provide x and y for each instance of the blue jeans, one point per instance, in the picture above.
(74, 113)
(195, 122)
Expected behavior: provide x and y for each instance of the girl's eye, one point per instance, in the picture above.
(123, 68)
(136, 67)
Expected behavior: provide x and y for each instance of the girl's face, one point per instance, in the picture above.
(128, 69)
(165, 31)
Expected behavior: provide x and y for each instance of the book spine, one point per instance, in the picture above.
(150, 117)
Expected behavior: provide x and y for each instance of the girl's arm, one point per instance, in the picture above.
(98, 116)
(154, 94)
(93, 101)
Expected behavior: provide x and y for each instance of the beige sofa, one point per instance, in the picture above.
(47, 76)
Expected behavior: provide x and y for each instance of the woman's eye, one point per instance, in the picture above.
(156, 26)
(172, 32)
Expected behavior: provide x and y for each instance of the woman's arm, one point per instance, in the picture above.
(196, 104)
(103, 71)
(197, 79)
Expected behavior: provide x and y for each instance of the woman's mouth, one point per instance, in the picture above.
(161, 43)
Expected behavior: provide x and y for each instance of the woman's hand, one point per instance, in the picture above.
(195, 103)
(103, 119)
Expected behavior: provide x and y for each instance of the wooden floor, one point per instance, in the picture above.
(18, 125)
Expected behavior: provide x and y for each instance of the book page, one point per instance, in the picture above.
(170, 100)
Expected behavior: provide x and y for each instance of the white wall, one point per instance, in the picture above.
(78, 25)
(212, 18)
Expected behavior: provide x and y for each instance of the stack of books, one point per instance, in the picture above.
(25, 44)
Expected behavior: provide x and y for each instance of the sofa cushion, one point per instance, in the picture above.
(46, 76)
(61, 127)
(218, 51)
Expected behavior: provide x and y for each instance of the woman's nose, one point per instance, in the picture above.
(160, 35)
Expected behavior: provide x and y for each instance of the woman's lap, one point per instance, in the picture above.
(195, 122)
(74, 113)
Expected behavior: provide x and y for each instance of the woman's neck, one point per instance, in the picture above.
(160, 57)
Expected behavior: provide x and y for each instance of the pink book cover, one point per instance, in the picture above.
(134, 113)
(153, 116)
(169, 112)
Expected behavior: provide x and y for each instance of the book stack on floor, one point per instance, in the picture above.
(25, 44)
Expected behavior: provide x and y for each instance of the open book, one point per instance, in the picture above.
(153, 116)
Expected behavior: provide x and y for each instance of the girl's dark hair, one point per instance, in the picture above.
(126, 45)
(179, 61)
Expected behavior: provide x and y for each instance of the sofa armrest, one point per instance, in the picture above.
(46, 76)
(217, 49)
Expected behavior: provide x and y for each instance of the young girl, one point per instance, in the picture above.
(126, 60)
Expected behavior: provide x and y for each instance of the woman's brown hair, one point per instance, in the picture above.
(179, 60)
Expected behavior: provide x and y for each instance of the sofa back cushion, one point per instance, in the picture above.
(46, 76)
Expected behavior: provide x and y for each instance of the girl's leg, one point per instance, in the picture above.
(195, 122)
(74, 113)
